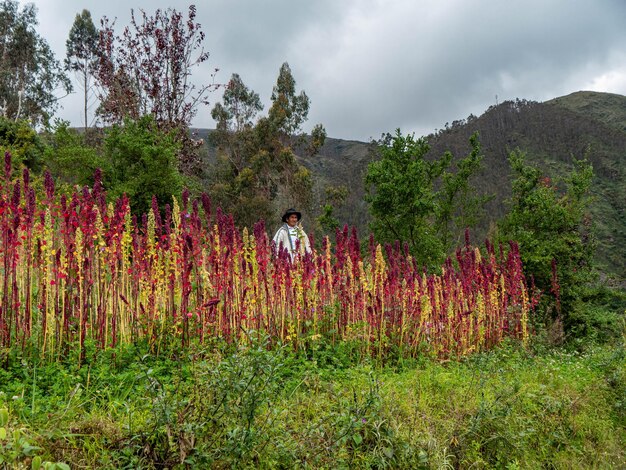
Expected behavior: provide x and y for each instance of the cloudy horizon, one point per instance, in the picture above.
(370, 66)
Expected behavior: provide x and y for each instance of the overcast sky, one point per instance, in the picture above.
(371, 66)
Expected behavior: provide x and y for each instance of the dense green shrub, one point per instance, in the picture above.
(25, 145)
(142, 162)
(550, 221)
(70, 160)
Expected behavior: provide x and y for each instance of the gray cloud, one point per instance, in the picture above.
(370, 66)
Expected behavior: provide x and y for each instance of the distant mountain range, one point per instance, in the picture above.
(584, 124)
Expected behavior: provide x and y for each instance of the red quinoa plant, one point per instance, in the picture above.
(76, 268)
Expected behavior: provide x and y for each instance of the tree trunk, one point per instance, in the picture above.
(85, 84)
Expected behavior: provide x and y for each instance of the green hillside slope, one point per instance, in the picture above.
(588, 125)
(608, 108)
(552, 135)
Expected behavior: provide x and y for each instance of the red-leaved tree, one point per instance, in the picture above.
(147, 70)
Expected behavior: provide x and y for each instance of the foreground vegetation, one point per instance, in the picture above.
(254, 408)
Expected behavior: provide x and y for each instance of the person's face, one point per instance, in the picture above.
(292, 220)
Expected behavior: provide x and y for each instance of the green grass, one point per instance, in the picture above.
(253, 408)
(605, 107)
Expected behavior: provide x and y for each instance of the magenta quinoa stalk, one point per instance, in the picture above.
(78, 269)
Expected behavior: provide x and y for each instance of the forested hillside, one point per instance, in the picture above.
(581, 125)
(553, 135)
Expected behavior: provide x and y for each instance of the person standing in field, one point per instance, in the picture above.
(291, 236)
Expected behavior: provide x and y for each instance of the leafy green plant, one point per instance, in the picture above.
(143, 164)
(220, 413)
(17, 450)
(363, 429)
(25, 145)
(70, 159)
(551, 224)
(420, 201)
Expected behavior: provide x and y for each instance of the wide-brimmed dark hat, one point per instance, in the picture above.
(289, 212)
